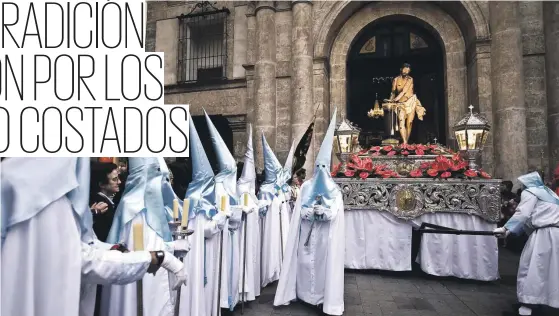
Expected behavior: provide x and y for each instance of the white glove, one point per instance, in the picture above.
(180, 247)
(318, 210)
(501, 232)
(220, 219)
(174, 266)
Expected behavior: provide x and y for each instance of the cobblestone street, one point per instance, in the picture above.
(378, 293)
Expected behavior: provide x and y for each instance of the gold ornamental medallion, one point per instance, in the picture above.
(405, 200)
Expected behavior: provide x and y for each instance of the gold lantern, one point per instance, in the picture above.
(471, 134)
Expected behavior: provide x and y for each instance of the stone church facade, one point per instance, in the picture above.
(280, 61)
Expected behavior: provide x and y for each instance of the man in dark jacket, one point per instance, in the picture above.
(105, 183)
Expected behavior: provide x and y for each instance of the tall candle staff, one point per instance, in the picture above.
(138, 236)
(222, 209)
(180, 231)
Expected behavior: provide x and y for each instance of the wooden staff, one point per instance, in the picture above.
(138, 235)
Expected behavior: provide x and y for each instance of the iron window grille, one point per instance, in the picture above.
(202, 45)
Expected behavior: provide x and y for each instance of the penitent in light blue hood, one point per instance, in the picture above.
(28, 185)
(227, 174)
(272, 170)
(142, 193)
(534, 184)
(321, 184)
(201, 189)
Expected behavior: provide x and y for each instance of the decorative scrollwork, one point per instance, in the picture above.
(410, 198)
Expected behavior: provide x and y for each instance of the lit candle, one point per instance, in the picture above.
(223, 202)
(246, 199)
(185, 206)
(138, 235)
(175, 209)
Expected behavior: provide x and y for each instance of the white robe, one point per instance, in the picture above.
(213, 243)
(100, 265)
(538, 271)
(252, 266)
(315, 273)
(192, 300)
(273, 234)
(41, 264)
(120, 300)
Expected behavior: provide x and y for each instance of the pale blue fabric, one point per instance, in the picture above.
(322, 185)
(167, 191)
(79, 197)
(201, 189)
(28, 185)
(142, 193)
(272, 172)
(227, 174)
(534, 184)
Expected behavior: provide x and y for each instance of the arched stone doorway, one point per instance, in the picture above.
(464, 36)
(376, 55)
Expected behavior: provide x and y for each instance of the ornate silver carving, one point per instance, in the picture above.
(408, 198)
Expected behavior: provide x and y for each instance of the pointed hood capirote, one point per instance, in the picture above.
(227, 174)
(142, 194)
(201, 189)
(534, 184)
(247, 181)
(272, 169)
(322, 185)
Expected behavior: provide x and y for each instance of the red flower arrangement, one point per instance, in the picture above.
(445, 168)
(363, 169)
(406, 150)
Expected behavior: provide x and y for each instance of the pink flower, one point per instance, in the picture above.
(470, 173)
(421, 147)
(485, 175)
(419, 152)
(374, 148)
(446, 174)
(411, 147)
(391, 153)
(432, 172)
(364, 175)
(416, 173)
(349, 173)
(387, 148)
(405, 152)
(376, 153)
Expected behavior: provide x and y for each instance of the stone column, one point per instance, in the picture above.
(265, 76)
(533, 45)
(551, 30)
(508, 90)
(302, 70)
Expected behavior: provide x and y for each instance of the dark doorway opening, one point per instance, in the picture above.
(376, 56)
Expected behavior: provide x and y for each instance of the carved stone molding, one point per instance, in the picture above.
(410, 198)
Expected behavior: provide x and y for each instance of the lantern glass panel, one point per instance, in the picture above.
(337, 144)
(461, 139)
(474, 138)
(345, 143)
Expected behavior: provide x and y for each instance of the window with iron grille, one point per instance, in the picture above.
(202, 45)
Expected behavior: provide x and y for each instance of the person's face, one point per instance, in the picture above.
(406, 71)
(113, 183)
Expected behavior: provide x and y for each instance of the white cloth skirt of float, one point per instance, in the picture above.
(377, 240)
(461, 256)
